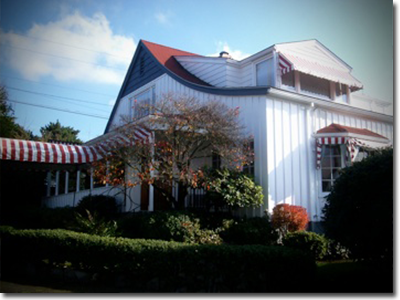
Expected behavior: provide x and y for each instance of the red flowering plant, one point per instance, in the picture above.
(289, 218)
(184, 129)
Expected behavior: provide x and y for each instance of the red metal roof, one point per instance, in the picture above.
(336, 128)
(165, 56)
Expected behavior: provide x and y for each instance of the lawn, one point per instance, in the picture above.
(343, 276)
(347, 276)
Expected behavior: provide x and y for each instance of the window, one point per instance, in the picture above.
(315, 85)
(288, 79)
(331, 163)
(216, 161)
(341, 92)
(249, 168)
(143, 103)
(264, 72)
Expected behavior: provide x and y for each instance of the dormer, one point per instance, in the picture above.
(308, 67)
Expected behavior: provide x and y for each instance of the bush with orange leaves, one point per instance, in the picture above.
(289, 218)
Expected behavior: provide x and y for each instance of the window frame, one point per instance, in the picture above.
(343, 150)
(151, 91)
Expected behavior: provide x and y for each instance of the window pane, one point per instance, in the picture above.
(335, 173)
(264, 72)
(335, 150)
(336, 161)
(326, 186)
(326, 173)
(326, 151)
(326, 162)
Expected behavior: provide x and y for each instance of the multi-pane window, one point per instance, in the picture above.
(331, 164)
(288, 79)
(143, 103)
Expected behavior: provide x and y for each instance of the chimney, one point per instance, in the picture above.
(224, 54)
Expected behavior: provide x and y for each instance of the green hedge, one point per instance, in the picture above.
(161, 266)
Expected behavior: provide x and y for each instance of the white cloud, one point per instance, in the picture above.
(223, 46)
(106, 63)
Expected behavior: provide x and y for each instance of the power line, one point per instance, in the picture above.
(50, 95)
(56, 85)
(58, 109)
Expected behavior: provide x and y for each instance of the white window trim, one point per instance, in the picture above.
(132, 98)
(343, 150)
(260, 60)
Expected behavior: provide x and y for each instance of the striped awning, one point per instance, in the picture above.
(41, 152)
(352, 137)
(288, 62)
(349, 142)
(284, 64)
(31, 151)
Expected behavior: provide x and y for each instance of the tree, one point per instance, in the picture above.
(59, 133)
(186, 129)
(8, 127)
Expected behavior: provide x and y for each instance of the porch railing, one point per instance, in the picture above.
(72, 199)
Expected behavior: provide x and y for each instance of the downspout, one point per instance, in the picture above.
(310, 125)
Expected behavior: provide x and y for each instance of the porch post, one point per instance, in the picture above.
(151, 187)
(78, 180)
(66, 182)
(91, 180)
(57, 182)
(48, 179)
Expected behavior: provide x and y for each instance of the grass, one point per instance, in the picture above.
(348, 276)
(343, 276)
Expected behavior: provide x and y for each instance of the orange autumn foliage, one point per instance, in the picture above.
(289, 217)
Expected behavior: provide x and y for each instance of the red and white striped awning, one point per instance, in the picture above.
(41, 152)
(31, 151)
(353, 138)
(288, 62)
(284, 64)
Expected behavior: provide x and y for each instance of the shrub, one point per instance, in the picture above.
(103, 206)
(93, 224)
(168, 226)
(336, 251)
(289, 218)
(160, 266)
(232, 188)
(307, 241)
(359, 209)
(40, 217)
(249, 232)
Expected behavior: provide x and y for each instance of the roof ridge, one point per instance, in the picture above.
(159, 45)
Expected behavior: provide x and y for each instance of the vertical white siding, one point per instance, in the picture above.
(287, 154)
(284, 143)
(292, 176)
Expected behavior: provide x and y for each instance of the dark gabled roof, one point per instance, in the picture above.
(166, 57)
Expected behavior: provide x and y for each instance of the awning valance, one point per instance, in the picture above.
(41, 152)
(352, 138)
(289, 62)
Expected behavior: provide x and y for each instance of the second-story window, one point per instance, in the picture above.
(143, 103)
(264, 73)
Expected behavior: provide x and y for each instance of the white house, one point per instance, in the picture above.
(299, 101)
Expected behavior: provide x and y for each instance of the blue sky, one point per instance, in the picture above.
(73, 55)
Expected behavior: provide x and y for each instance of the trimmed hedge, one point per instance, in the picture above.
(307, 241)
(160, 266)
